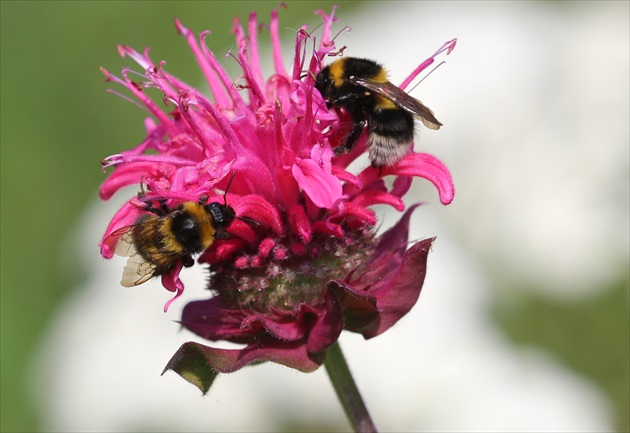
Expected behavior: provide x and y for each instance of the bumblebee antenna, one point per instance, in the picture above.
(227, 188)
(225, 202)
(425, 77)
(248, 220)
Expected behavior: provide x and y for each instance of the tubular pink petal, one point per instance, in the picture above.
(141, 59)
(217, 90)
(374, 197)
(300, 224)
(222, 251)
(110, 77)
(367, 216)
(265, 247)
(328, 21)
(401, 186)
(275, 44)
(347, 177)
(150, 160)
(237, 101)
(261, 211)
(232, 140)
(448, 47)
(162, 118)
(300, 53)
(327, 228)
(256, 95)
(254, 60)
(172, 283)
(129, 175)
(243, 231)
(428, 167)
(189, 116)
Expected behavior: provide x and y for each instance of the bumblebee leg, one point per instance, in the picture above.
(162, 210)
(187, 261)
(351, 139)
(163, 207)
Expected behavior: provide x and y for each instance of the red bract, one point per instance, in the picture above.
(311, 266)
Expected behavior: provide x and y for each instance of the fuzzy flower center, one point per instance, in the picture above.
(291, 274)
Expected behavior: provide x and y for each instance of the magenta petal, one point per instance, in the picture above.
(324, 189)
(328, 326)
(401, 186)
(260, 210)
(373, 197)
(173, 283)
(359, 308)
(211, 320)
(199, 364)
(392, 278)
(125, 217)
(428, 167)
(285, 330)
(387, 258)
(400, 295)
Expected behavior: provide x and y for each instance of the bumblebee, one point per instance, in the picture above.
(361, 88)
(161, 237)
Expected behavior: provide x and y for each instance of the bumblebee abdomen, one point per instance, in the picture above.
(151, 243)
(393, 123)
(390, 134)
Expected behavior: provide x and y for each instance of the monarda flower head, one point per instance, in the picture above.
(303, 262)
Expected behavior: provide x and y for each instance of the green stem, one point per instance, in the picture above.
(347, 391)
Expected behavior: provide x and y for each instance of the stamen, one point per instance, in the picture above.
(337, 53)
(328, 20)
(425, 77)
(111, 160)
(447, 46)
(344, 29)
(128, 99)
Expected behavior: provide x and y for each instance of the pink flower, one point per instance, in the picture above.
(311, 266)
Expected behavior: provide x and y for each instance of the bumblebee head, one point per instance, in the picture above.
(222, 215)
(324, 83)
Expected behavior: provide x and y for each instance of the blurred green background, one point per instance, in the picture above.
(58, 122)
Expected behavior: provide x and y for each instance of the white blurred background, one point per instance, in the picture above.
(535, 106)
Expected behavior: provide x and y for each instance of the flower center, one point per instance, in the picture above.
(294, 275)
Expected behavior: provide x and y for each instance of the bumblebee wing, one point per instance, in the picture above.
(402, 99)
(137, 270)
(124, 247)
